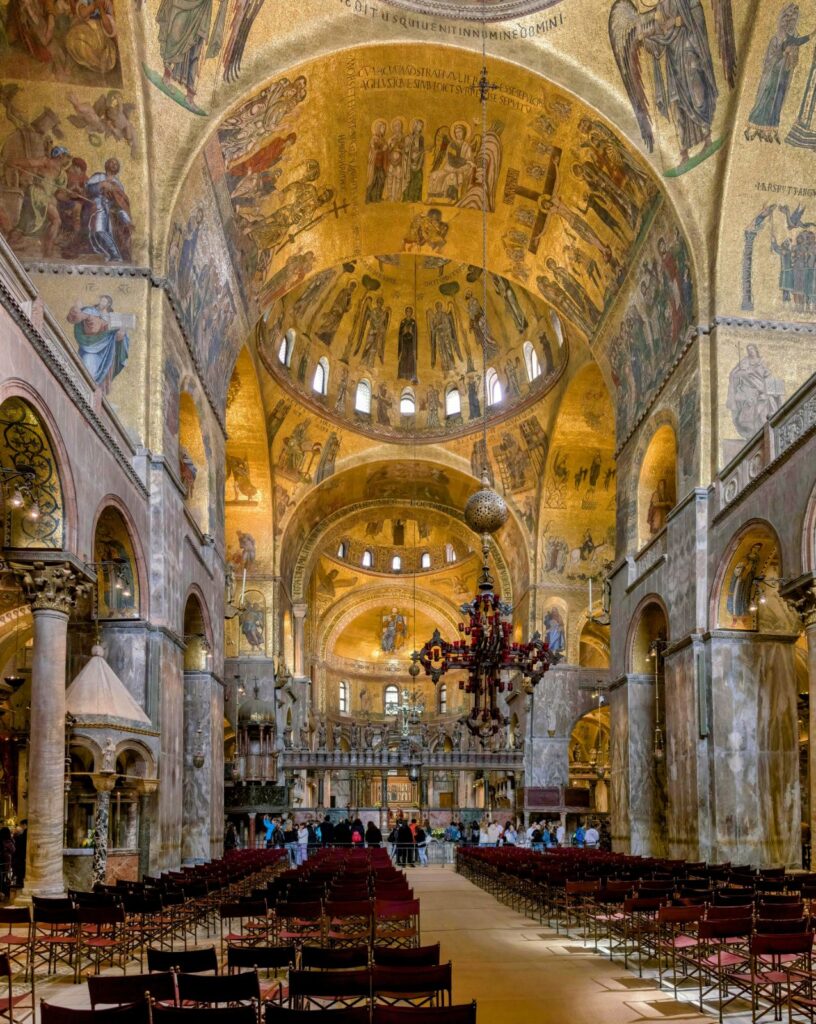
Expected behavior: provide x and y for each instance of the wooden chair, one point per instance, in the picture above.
(137, 1013)
(462, 1013)
(415, 986)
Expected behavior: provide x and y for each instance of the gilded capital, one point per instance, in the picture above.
(50, 587)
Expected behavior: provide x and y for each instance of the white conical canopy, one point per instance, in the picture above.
(98, 691)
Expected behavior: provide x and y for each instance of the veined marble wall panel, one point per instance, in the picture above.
(171, 723)
(126, 651)
(682, 743)
(197, 782)
(215, 764)
(686, 568)
(619, 769)
(647, 796)
(755, 751)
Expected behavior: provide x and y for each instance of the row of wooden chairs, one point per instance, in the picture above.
(148, 1013)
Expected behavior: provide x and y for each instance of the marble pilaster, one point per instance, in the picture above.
(197, 779)
(299, 635)
(755, 750)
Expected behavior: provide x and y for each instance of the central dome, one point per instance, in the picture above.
(392, 346)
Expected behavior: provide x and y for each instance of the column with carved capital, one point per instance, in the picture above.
(103, 783)
(51, 590)
(801, 596)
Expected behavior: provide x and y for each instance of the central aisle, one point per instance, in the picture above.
(520, 971)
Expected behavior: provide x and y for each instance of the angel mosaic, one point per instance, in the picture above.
(674, 34)
(370, 328)
(442, 330)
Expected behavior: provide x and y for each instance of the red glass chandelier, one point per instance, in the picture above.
(485, 649)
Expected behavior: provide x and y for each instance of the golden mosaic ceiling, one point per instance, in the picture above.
(383, 150)
(411, 328)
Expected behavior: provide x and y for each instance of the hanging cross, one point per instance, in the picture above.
(542, 198)
(409, 709)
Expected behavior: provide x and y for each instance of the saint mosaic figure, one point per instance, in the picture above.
(407, 346)
(102, 339)
(781, 60)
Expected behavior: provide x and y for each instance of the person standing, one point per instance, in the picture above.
(373, 836)
(290, 841)
(560, 832)
(592, 837)
(405, 844)
(303, 843)
(327, 831)
(421, 841)
(510, 834)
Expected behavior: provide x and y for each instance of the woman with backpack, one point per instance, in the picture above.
(357, 834)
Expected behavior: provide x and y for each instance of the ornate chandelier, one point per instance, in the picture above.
(485, 649)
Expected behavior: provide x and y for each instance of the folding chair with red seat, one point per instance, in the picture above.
(137, 1013)
(414, 986)
(116, 990)
(416, 956)
(54, 937)
(606, 912)
(143, 921)
(396, 923)
(270, 959)
(638, 928)
(15, 936)
(101, 937)
(577, 903)
(184, 961)
(462, 1013)
(15, 1006)
(328, 990)
(243, 924)
(299, 923)
(347, 922)
(676, 938)
(767, 977)
(724, 947)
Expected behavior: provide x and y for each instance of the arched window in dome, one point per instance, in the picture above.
(367, 561)
(342, 549)
(450, 552)
(343, 697)
(494, 388)
(531, 361)
(286, 348)
(407, 402)
(396, 563)
(320, 384)
(362, 398)
(425, 561)
(453, 401)
(443, 699)
(391, 699)
(558, 330)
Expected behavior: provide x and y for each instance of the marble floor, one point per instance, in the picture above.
(516, 969)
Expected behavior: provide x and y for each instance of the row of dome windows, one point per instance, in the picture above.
(367, 560)
(453, 397)
(390, 699)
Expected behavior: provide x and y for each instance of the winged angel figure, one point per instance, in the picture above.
(674, 35)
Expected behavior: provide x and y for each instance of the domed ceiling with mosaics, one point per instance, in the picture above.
(399, 332)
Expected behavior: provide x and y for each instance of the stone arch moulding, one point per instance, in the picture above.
(309, 549)
(348, 608)
(16, 388)
(634, 624)
(651, 459)
(114, 501)
(756, 525)
(195, 591)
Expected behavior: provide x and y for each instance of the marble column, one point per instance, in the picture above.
(801, 596)
(299, 633)
(384, 801)
(145, 788)
(51, 590)
(103, 783)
